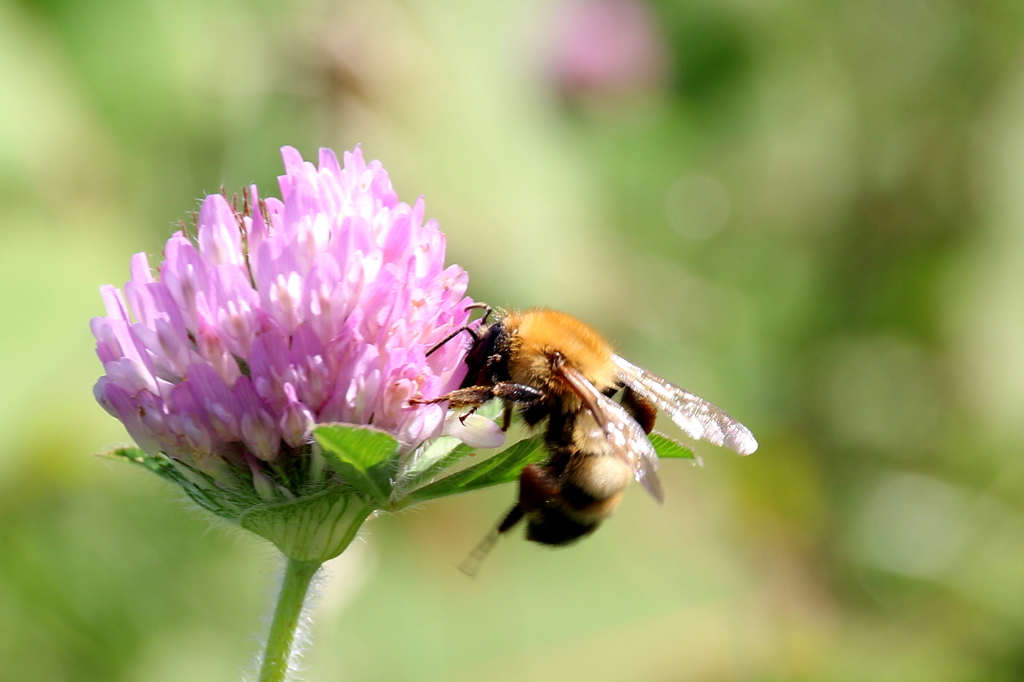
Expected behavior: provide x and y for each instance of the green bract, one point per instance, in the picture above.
(354, 471)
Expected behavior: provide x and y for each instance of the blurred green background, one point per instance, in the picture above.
(811, 213)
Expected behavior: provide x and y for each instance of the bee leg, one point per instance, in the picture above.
(475, 396)
(521, 394)
(510, 393)
(538, 486)
(528, 399)
(514, 516)
(471, 564)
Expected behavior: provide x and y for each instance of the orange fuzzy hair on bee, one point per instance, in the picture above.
(539, 333)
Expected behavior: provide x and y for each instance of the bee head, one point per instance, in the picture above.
(487, 360)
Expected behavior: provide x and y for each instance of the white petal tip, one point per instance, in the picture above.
(475, 431)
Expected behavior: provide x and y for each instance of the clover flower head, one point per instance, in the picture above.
(280, 315)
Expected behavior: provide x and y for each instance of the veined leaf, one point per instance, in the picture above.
(428, 463)
(361, 446)
(667, 448)
(363, 456)
(225, 502)
(503, 467)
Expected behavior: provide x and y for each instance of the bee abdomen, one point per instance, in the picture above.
(553, 526)
(592, 481)
(583, 506)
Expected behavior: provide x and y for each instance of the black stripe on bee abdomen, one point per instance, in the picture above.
(577, 498)
(552, 526)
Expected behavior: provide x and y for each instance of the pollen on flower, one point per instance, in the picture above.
(280, 314)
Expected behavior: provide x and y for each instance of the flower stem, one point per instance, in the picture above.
(326, 533)
(277, 655)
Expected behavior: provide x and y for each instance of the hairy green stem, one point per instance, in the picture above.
(277, 656)
(330, 533)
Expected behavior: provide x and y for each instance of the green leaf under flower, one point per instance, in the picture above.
(322, 521)
(503, 467)
(427, 463)
(668, 448)
(158, 465)
(226, 502)
(364, 457)
(361, 446)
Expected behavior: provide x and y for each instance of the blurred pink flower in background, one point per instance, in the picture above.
(607, 47)
(319, 307)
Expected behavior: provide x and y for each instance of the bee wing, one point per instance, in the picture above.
(625, 436)
(696, 416)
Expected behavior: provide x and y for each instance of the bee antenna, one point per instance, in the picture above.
(466, 328)
(472, 563)
(452, 336)
(481, 306)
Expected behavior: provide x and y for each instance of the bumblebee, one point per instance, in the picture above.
(553, 367)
